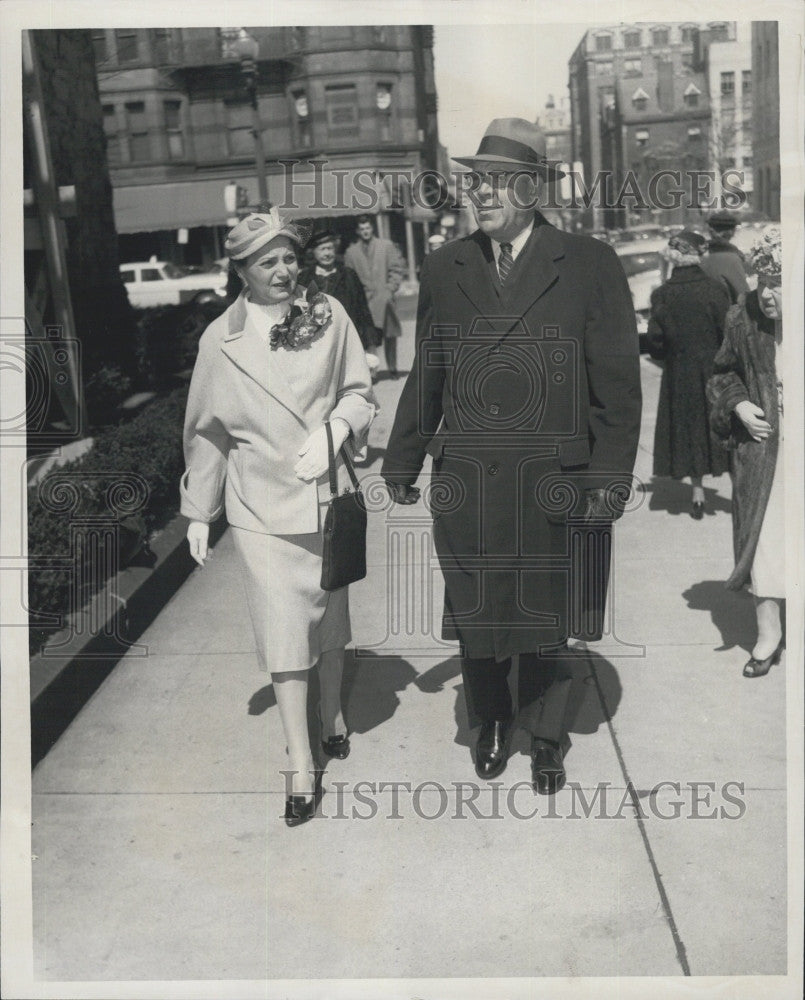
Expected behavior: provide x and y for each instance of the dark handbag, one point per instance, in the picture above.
(344, 549)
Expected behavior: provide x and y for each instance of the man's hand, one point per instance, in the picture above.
(313, 458)
(198, 534)
(751, 417)
(402, 494)
(602, 505)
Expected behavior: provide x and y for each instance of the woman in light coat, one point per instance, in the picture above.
(270, 372)
(746, 393)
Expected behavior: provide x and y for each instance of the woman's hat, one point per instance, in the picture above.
(688, 242)
(258, 229)
(325, 236)
(765, 256)
(513, 144)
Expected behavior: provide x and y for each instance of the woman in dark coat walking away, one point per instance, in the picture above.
(747, 416)
(686, 327)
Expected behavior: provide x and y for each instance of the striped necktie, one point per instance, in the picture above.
(505, 262)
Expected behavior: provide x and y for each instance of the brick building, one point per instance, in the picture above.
(179, 128)
(766, 118)
(641, 103)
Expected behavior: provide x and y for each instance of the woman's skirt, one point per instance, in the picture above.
(294, 620)
(768, 566)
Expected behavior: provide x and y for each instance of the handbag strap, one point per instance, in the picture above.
(331, 462)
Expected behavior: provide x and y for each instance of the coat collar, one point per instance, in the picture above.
(687, 272)
(244, 345)
(538, 257)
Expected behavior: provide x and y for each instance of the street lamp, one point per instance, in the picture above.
(247, 49)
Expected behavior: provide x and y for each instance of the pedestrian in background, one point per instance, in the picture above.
(270, 372)
(746, 392)
(686, 328)
(334, 278)
(724, 261)
(379, 265)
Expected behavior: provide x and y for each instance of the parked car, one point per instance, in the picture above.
(160, 283)
(643, 263)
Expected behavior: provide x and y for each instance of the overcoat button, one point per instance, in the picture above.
(492, 469)
(494, 409)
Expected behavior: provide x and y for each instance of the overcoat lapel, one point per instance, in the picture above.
(476, 265)
(535, 269)
(245, 347)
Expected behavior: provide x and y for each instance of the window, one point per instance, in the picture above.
(100, 47)
(631, 39)
(383, 100)
(605, 68)
(688, 34)
(747, 160)
(659, 36)
(163, 45)
(173, 129)
(719, 32)
(727, 84)
(342, 110)
(633, 67)
(746, 81)
(379, 34)
(127, 44)
(127, 275)
(150, 274)
(728, 162)
(691, 96)
(113, 154)
(639, 99)
(240, 140)
(603, 43)
(641, 136)
(337, 33)
(302, 116)
(137, 126)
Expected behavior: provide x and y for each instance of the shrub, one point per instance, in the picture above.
(149, 446)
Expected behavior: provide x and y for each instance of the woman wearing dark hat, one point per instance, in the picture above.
(332, 276)
(747, 416)
(686, 327)
(270, 372)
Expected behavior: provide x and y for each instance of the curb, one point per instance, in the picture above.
(76, 661)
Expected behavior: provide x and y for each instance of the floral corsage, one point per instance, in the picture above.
(304, 322)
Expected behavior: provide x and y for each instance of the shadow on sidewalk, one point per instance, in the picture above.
(585, 712)
(731, 612)
(674, 497)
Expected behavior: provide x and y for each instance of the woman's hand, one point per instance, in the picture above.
(198, 534)
(751, 416)
(313, 459)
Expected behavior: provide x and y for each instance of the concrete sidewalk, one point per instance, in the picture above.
(161, 853)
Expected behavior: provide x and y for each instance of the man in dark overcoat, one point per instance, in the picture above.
(724, 261)
(526, 393)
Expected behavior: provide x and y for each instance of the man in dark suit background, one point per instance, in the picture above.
(526, 393)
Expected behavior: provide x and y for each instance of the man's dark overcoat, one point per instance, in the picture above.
(524, 395)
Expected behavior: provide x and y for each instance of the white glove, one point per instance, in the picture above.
(198, 533)
(313, 457)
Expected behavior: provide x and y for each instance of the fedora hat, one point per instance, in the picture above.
(513, 144)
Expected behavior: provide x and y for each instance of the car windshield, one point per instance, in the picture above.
(174, 271)
(637, 263)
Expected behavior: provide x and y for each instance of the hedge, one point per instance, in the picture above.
(130, 477)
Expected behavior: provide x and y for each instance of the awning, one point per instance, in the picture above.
(323, 192)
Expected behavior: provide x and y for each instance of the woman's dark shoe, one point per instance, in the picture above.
(759, 668)
(299, 809)
(336, 746)
(697, 510)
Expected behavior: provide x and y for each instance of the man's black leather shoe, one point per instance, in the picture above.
(491, 750)
(547, 767)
